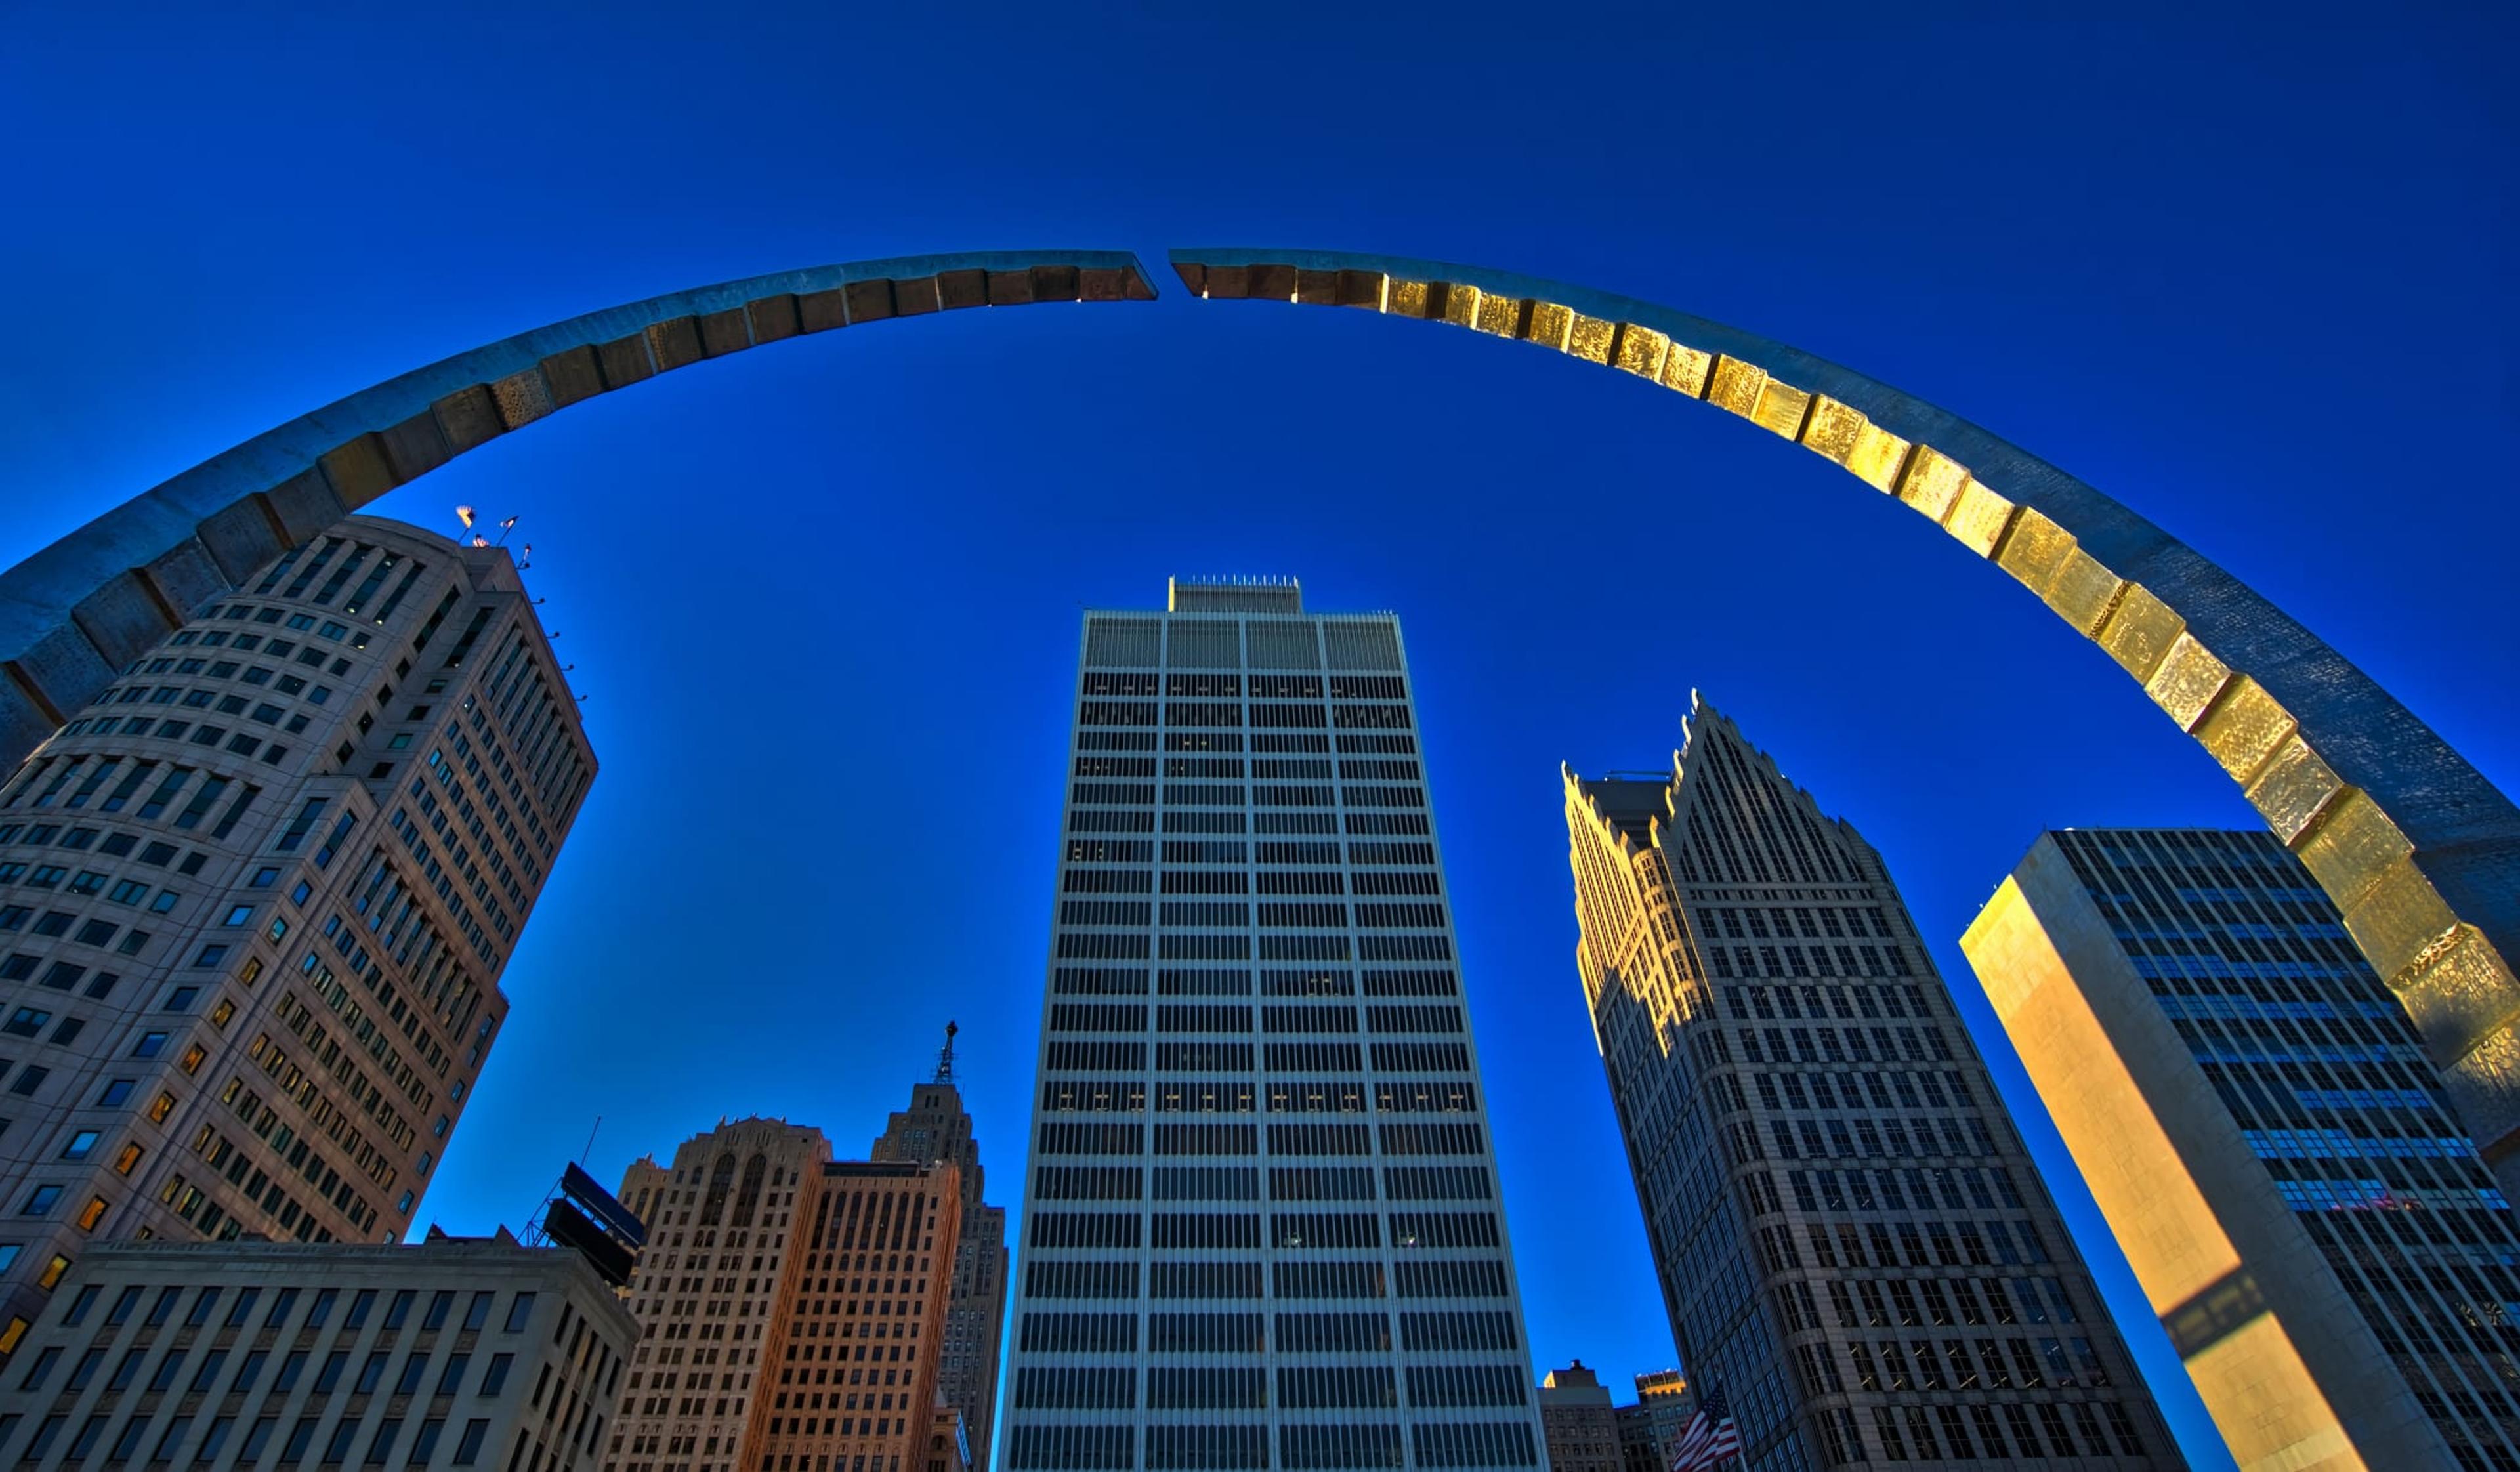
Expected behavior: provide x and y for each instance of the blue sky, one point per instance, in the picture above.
(2251, 269)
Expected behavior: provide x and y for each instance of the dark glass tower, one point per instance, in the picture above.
(1851, 1243)
(1262, 1225)
(2264, 1132)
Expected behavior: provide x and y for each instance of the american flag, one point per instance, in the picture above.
(1712, 1437)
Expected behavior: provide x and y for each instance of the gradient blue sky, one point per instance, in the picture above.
(2250, 268)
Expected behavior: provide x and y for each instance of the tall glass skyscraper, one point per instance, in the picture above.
(1852, 1243)
(1262, 1219)
(2265, 1133)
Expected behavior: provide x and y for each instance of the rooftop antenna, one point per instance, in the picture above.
(945, 1056)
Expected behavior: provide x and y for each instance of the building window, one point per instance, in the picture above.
(80, 1144)
(149, 1045)
(40, 1201)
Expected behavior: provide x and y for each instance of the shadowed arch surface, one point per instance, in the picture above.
(74, 613)
(2416, 848)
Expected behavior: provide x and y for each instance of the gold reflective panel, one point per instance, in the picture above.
(1933, 482)
(1550, 324)
(1735, 387)
(2084, 593)
(1590, 338)
(2188, 680)
(2139, 631)
(2244, 726)
(1641, 351)
(1687, 369)
(1981, 519)
(2351, 847)
(2294, 788)
(1780, 408)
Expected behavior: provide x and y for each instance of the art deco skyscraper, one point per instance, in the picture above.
(1263, 1216)
(1852, 1244)
(936, 1127)
(2270, 1142)
(256, 902)
(792, 1309)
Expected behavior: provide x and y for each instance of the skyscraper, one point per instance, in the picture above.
(2268, 1139)
(936, 1127)
(1852, 1244)
(792, 1307)
(1263, 1212)
(257, 899)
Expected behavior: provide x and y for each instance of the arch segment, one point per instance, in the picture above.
(74, 613)
(2419, 850)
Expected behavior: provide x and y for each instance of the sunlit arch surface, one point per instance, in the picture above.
(2419, 850)
(74, 613)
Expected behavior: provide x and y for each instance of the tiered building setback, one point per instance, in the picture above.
(1263, 1219)
(793, 1309)
(1852, 1243)
(257, 899)
(2270, 1142)
(936, 1127)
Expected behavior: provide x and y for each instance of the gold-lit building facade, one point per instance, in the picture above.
(1849, 1236)
(2268, 1138)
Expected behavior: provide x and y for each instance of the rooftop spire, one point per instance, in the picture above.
(945, 1056)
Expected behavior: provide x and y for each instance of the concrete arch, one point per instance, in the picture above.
(74, 613)
(2416, 848)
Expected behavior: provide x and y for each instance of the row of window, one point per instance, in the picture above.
(1237, 981)
(1316, 1057)
(1261, 686)
(1239, 1096)
(1091, 1447)
(1185, 882)
(1236, 852)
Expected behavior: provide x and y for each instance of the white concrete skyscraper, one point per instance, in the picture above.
(1262, 1226)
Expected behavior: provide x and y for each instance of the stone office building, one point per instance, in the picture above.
(1850, 1238)
(257, 899)
(453, 1355)
(793, 1309)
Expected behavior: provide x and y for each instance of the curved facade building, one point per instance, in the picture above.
(257, 897)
